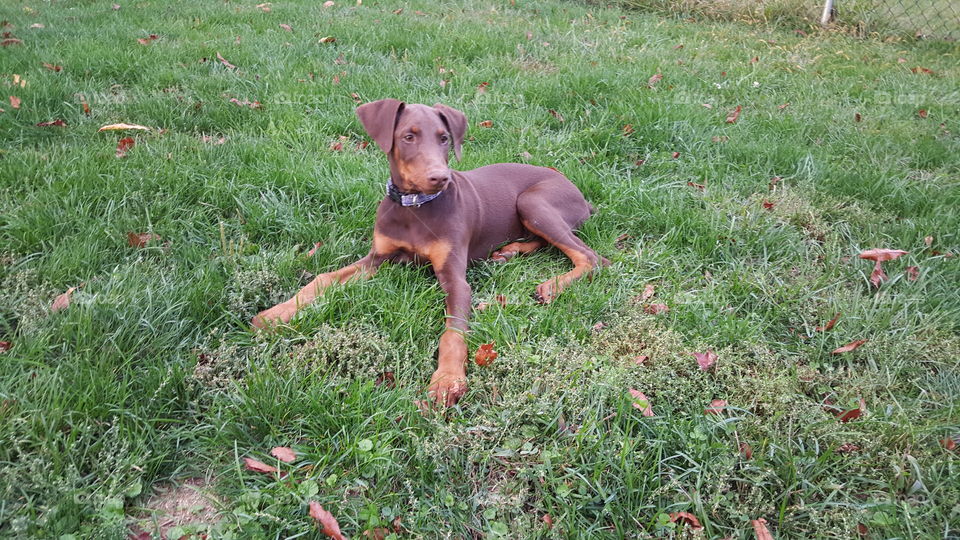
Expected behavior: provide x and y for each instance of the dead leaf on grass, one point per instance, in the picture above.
(657, 309)
(830, 324)
(14, 102)
(149, 39)
(486, 124)
(654, 79)
(122, 126)
(686, 518)
(284, 454)
(53, 123)
(224, 62)
(63, 301)
(123, 145)
(5, 346)
(640, 401)
(849, 346)
(140, 240)
(734, 115)
(258, 466)
(716, 406)
(52, 67)
(328, 524)
(705, 360)
(648, 291)
(913, 273)
(485, 354)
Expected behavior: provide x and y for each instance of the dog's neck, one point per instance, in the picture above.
(408, 199)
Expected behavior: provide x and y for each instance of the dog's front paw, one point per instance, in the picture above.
(269, 318)
(547, 291)
(502, 256)
(446, 388)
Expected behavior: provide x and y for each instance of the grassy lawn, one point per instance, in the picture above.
(151, 375)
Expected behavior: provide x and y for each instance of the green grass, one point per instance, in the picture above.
(151, 374)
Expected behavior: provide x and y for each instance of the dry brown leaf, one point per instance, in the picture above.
(122, 126)
(10, 41)
(53, 123)
(949, 443)
(547, 520)
(705, 360)
(657, 309)
(849, 346)
(640, 401)
(657, 77)
(700, 187)
(556, 115)
(486, 124)
(648, 291)
(746, 451)
(830, 324)
(149, 39)
(123, 145)
(328, 524)
(922, 113)
(286, 27)
(327, 39)
(913, 273)
(5, 346)
(485, 354)
(882, 255)
(675, 155)
(928, 241)
(52, 67)
(140, 240)
(15, 102)
(760, 529)
(258, 466)
(734, 115)
(686, 518)
(284, 454)
(716, 406)
(63, 301)
(767, 205)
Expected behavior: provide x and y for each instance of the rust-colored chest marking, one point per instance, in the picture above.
(435, 252)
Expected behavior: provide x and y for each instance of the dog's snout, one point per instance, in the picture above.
(438, 177)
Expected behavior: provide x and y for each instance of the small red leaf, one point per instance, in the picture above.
(10, 41)
(140, 240)
(760, 529)
(949, 443)
(913, 273)
(746, 451)
(123, 145)
(15, 102)
(640, 401)
(328, 524)
(5, 346)
(556, 115)
(485, 354)
(316, 246)
(849, 346)
(52, 67)
(784, 106)
(686, 518)
(55, 123)
(258, 466)
(63, 301)
(640, 360)
(767, 205)
(705, 360)
(482, 87)
(548, 521)
(657, 309)
(830, 324)
(627, 129)
(862, 530)
(922, 70)
(657, 77)
(734, 115)
(847, 416)
(675, 155)
(284, 454)
(147, 40)
(922, 113)
(716, 407)
(755, 59)
(286, 27)
(648, 291)
(486, 124)
(700, 187)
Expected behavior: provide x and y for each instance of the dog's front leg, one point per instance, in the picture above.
(284, 311)
(449, 382)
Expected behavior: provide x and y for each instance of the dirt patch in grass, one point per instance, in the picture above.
(175, 510)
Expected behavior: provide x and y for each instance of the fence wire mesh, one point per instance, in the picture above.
(928, 19)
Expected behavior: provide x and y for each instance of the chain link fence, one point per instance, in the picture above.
(924, 19)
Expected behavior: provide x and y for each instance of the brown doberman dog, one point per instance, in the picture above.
(433, 214)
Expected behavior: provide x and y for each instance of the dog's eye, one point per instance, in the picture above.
(444, 139)
(408, 137)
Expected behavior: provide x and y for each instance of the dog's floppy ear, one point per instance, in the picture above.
(456, 122)
(379, 119)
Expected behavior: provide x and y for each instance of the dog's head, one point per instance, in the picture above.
(417, 141)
